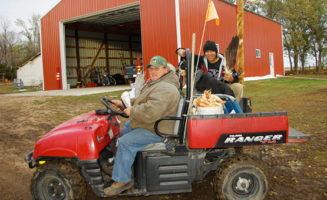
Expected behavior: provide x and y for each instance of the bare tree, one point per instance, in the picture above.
(31, 34)
(317, 21)
(8, 40)
(15, 48)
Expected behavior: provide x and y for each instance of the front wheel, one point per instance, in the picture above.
(58, 181)
(240, 178)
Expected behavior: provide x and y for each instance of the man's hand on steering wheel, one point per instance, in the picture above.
(121, 106)
(106, 102)
(117, 103)
(127, 111)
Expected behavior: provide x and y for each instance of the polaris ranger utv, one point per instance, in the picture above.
(81, 151)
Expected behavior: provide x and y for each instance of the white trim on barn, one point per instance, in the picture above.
(63, 55)
(178, 25)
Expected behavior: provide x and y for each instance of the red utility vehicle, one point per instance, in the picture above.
(81, 151)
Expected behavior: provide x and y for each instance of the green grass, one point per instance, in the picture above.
(66, 107)
(318, 76)
(7, 88)
(79, 99)
(282, 86)
(269, 93)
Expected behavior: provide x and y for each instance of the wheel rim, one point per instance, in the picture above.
(53, 188)
(245, 184)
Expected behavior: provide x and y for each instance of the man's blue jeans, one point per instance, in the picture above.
(128, 144)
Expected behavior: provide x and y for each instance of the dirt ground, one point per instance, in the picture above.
(295, 171)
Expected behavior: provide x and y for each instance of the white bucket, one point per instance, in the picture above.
(210, 110)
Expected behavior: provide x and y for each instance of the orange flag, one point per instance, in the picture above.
(212, 13)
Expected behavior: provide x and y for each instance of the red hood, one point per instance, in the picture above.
(84, 136)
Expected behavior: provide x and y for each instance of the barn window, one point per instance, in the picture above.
(257, 53)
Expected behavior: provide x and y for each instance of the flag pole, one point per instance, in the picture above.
(204, 28)
(197, 63)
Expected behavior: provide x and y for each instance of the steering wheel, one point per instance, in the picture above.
(106, 102)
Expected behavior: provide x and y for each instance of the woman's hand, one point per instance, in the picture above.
(228, 77)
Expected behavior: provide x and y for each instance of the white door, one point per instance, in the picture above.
(271, 64)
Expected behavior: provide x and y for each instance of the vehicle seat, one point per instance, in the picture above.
(161, 145)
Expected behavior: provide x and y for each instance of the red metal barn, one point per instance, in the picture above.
(108, 34)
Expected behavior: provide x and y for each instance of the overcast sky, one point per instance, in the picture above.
(24, 9)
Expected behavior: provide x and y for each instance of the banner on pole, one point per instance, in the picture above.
(212, 13)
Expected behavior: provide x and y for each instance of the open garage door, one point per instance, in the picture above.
(98, 46)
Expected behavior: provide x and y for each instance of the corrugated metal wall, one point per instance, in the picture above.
(158, 26)
(89, 44)
(259, 33)
(266, 35)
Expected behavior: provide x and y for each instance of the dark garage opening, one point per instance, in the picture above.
(102, 45)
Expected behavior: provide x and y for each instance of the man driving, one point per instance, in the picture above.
(158, 98)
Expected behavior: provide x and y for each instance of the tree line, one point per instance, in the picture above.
(17, 47)
(304, 29)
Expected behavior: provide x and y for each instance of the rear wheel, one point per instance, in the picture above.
(240, 178)
(58, 181)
